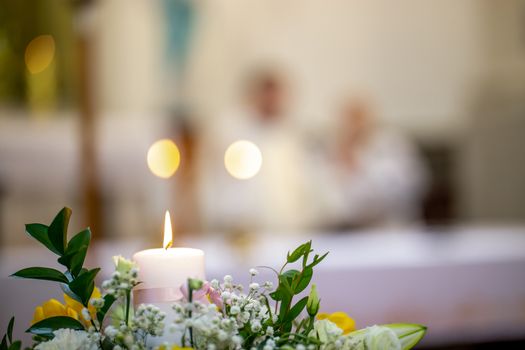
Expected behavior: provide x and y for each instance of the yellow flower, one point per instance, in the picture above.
(77, 306)
(341, 319)
(71, 308)
(52, 308)
(174, 347)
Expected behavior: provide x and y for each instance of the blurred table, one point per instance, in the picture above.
(466, 284)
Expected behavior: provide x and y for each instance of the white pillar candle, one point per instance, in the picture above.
(162, 272)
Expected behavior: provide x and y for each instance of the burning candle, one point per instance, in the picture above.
(163, 271)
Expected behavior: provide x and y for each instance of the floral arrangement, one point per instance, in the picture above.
(212, 315)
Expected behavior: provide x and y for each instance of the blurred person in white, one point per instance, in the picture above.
(273, 200)
(378, 177)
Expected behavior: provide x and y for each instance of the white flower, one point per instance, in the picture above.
(270, 345)
(149, 319)
(382, 338)
(256, 326)
(214, 284)
(234, 310)
(254, 272)
(111, 331)
(85, 314)
(268, 285)
(326, 331)
(254, 286)
(228, 279)
(237, 340)
(97, 303)
(68, 339)
(225, 295)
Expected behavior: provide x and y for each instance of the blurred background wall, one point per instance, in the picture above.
(447, 74)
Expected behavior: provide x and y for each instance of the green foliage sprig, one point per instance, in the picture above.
(7, 341)
(76, 281)
(291, 283)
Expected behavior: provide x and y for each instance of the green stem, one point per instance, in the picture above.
(278, 275)
(128, 305)
(310, 325)
(190, 298)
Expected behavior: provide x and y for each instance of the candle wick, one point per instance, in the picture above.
(170, 243)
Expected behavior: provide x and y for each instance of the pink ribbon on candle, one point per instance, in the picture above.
(156, 295)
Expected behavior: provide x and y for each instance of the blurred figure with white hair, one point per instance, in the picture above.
(378, 176)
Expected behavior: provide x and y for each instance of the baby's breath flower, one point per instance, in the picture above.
(254, 272)
(85, 314)
(123, 279)
(98, 303)
(234, 310)
(214, 284)
(256, 326)
(268, 285)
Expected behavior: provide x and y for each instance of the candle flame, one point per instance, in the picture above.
(168, 232)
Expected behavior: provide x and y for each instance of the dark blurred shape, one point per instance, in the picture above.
(186, 212)
(90, 177)
(440, 202)
(267, 94)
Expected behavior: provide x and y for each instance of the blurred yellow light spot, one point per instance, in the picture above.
(243, 159)
(163, 158)
(39, 53)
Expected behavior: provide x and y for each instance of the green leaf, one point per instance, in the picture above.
(276, 295)
(80, 240)
(298, 252)
(290, 275)
(107, 344)
(285, 284)
(69, 292)
(16, 345)
(285, 304)
(83, 285)
(46, 327)
(296, 310)
(41, 273)
(318, 259)
(57, 231)
(287, 327)
(10, 329)
(76, 252)
(74, 260)
(3, 344)
(306, 277)
(108, 301)
(40, 233)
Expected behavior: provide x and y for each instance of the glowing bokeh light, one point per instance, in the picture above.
(163, 158)
(243, 159)
(39, 53)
